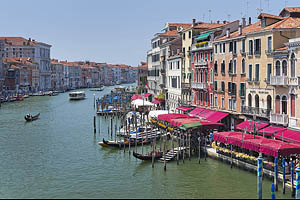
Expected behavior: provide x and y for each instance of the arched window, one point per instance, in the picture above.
(277, 104)
(249, 100)
(284, 105)
(278, 68)
(293, 105)
(293, 65)
(243, 66)
(269, 103)
(284, 68)
(257, 101)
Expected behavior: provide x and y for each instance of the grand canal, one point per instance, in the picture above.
(58, 156)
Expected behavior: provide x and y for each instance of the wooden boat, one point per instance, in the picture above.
(30, 118)
(148, 156)
(107, 143)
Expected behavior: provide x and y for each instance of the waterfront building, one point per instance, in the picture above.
(116, 74)
(157, 57)
(202, 61)
(264, 42)
(142, 73)
(86, 75)
(57, 75)
(133, 74)
(40, 52)
(18, 75)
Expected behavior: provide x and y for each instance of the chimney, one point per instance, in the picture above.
(249, 20)
(240, 29)
(218, 22)
(243, 22)
(228, 32)
(194, 22)
(224, 22)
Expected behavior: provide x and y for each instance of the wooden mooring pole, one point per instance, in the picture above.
(259, 177)
(276, 173)
(94, 125)
(199, 153)
(283, 175)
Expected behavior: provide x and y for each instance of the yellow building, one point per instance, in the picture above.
(262, 39)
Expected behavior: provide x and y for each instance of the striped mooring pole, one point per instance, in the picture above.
(259, 177)
(292, 178)
(276, 173)
(283, 175)
(273, 196)
(298, 183)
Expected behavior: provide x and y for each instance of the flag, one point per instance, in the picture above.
(147, 85)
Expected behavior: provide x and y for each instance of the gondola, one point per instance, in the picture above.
(158, 155)
(106, 143)
(30, 118)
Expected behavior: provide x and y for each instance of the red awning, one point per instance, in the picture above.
(169, 117)
(222, 136)
(182, 108)
(180, 121)
(157, 101)
(136, 96)
(288, 135)
(245, 126)
(209, 115)
(147, 95)
(217, 116)
(271, 130)
(238, 139)
(276, 148)
(254, 144)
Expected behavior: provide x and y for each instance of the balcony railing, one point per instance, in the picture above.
(261, 112)
(282, 119)
(294, 81)
(200, 64)
(250, 54)
(257, 53)
(207, 45)
(279, 80)
(185, 85)
(196, 85)
(243, 53)
(269, 52)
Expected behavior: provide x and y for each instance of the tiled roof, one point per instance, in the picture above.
(184, 26)
(17, 41)
(170, 33)
(208, 25)
(286, 23)
(292, 9)
(266, 15)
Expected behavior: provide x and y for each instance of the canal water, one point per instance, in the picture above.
(58, 156)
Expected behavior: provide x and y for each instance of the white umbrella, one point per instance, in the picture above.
(140, 102)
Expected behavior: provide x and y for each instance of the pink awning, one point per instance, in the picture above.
(276, 148)
(271, 130)
(197, 111)
(136, 96)
(238, 139)
(244, 126)
(254, 144)
(147, 95)
(222, 136)
(178, 122)
(288, 135)
(156, 101)
(217, 116)
(182, 108)
(169, 117)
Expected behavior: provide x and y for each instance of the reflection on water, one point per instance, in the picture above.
(58, 156)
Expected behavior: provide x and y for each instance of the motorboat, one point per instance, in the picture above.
(79, 95)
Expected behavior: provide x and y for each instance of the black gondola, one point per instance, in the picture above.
(106, 143)
(158, 155)
(30, 118)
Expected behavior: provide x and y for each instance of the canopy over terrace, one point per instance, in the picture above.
(139, 102)
(271, 130)
(210, 115)
(250, 125)
(155, 113)
(288, 135)
(136, 96)
(169, 117)
(195, 125)
(259, 144)
(184, 109)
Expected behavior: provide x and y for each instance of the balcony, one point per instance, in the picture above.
(202, 86)
(185, 85)
(279, 80)
(234, 53)
(201, 64)
(294, 81)
(243, 53)
(269, 52)
(250, 54)
(260, 112)
(257, 53)
(282, 119)
(199, 46)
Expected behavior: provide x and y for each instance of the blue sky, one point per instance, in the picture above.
(114, 31)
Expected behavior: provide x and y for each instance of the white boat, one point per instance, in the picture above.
(77, 95)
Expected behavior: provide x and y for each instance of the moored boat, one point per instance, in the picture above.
(30, 118)
(77, 95)
(157, 155)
